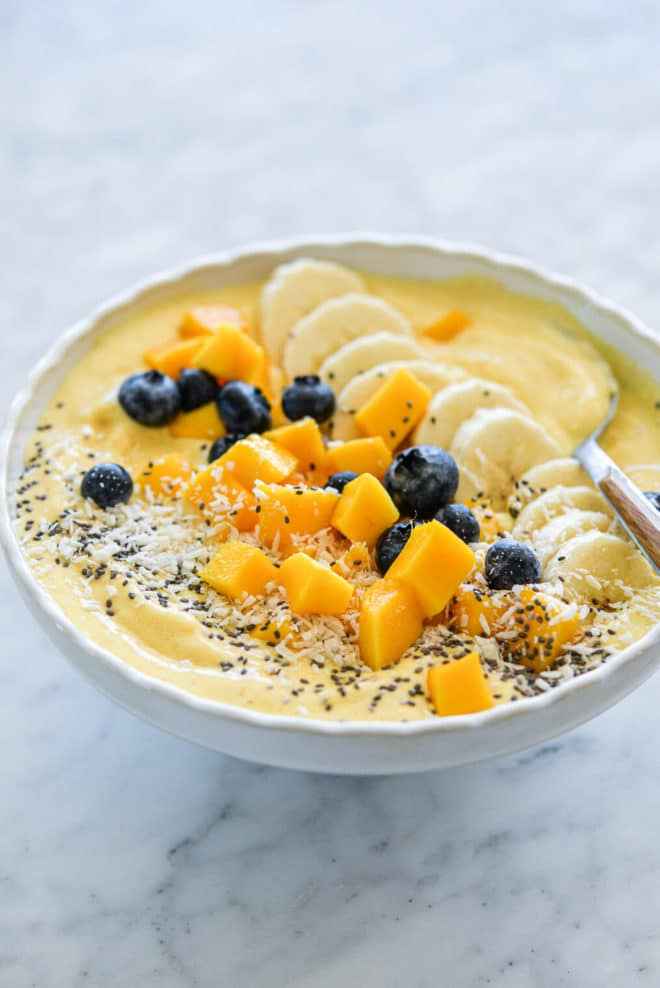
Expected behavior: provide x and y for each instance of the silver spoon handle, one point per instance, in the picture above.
(635, 512)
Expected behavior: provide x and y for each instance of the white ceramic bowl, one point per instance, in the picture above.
(351, 748)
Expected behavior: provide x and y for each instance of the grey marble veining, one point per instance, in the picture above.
(133, 136)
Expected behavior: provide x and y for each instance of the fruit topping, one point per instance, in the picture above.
(447, 326)
(219, 495)
(434, 562)
(205, 320)
(459, 687)
(337, 482)
(391, 542)
(313, 588)
(509, 564)
(308, 396)
(395, 409)
(304, 439)
(224, 443)
(390, 621)
(166, 476)
(285, 511)
(238, 568)
(196, 388)
(170, 358)
(365, 509)
(461, 521)
(107, 484)
(256, 458)
(244, 408)
(229, 354)
(421, 480)
(150, 398)
(202, 423)
(359, 456)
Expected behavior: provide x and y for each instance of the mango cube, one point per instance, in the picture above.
(459, 687)
(202, 423)
(548, 625)
(217, 493)
(302, 438)
(170, 358)
(165, 477)
(256, 458)
(369, 455)
(238, 568)
(229, 354)
(312, 588)
(434, 562)
(447, 326)
(364, 510)
(395, 409)
(286, 510)
(478, 612)
(390, 621)
(204, 320)
(356, 559)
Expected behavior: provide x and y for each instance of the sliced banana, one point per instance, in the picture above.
(334, 323)
(548, 540)
(564, 472)
(498, 445)
(295, 289)
(452, 406)
(599, 567)
(366, 352)
(554, 503)
(362, 387)
(469, 488)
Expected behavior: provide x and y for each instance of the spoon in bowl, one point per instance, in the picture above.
(635, 512)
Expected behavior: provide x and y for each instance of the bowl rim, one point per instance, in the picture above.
(255, 718)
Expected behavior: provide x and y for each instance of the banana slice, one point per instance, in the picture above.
(565, 472)
(366, 352)
(549, 539)
(556, 502)
(498, 445)
(599, 567)
(469, 488)
(362, 387)
(295, 289)
(335, 323)
(449, 408)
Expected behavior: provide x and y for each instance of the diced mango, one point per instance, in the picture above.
(170, 358)
(490, 523)
(238, 568)
(229, 354)
(356, 559)
(369, 455)
(202, 423)
(478, 612)
(435, 562)
(313, 588)
(544, 625)
(217, 493)
(272, 631)
(395, 409)
(390, 621)
(204, 320)
(285, 511)
(459, 687)
(256, 458)
(302, 438)
(447, 326)
(166, 476)
(260, 375)
(364, 510)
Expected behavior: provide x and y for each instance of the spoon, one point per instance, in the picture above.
(635, 512)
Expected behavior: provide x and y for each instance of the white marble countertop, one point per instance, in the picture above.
(137, 135)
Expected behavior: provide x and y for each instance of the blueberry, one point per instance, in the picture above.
(654, 498)
(339, 480)
(421, 480)
(308, 395)
(460, 520)
(243, 408)
(107, 484)
(224, 443)
(196, 388)
(391, 542)
(510, 563)
(150, 398)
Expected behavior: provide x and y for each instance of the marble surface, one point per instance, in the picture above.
(137, 135)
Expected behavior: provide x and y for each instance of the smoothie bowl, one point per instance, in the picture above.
(313, 504)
